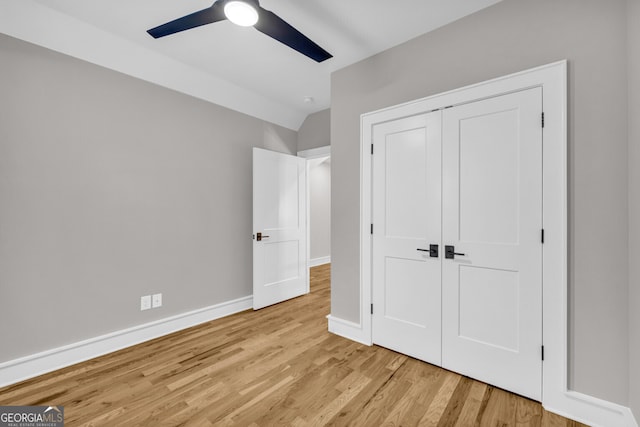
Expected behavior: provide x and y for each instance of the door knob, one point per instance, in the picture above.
(261, 236)
(433, 251)
(450, 252)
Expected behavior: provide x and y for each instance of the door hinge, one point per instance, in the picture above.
(543, 119)
(371, 228)
(543, 353)
(371, 308)
(542, 235)
(371, 149)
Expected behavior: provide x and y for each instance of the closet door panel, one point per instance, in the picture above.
(406, 221)
(492, 219)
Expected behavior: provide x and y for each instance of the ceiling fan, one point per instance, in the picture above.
(246, 13)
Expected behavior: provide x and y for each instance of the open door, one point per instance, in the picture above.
(279, 227)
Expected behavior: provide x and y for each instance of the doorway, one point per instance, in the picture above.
(457, 254)
(318, 205)
(551, 79)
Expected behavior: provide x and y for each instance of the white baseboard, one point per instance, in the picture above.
(347, 329)
(31, 366)
(319, 261)
(591, 410)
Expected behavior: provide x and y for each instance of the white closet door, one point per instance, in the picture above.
(492, 213)
(406, 221)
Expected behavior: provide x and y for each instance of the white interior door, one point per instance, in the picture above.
(492, 214)
(406, 221)
(279, 226)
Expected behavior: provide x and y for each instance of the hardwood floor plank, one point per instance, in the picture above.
(330, 410)
(456, 403)
(500, 410)
(472, 405)
(427, 385)
(486, 398)
(528, 413)
(439, 404)
(276, 366)
(399, 414)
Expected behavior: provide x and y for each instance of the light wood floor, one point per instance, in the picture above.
(277, 366)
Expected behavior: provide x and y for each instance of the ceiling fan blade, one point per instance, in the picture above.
(209, 15)
(272, 25)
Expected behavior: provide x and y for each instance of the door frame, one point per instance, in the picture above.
(553, 80)
(310, 154)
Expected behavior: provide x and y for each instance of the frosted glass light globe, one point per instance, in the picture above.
(241, 13)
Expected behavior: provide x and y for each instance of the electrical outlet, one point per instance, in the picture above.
(145, 302)
(156, 300)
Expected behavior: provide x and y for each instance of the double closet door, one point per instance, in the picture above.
(457, 250)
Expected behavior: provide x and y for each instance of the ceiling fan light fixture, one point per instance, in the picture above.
(241, 13)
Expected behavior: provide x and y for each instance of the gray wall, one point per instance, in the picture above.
(633, 19)
(315, 131)
(112, 188)
(320, 208)
(511, 36)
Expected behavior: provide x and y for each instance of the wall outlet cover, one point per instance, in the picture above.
(145, 302)
(156, 300)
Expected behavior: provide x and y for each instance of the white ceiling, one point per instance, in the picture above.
(236, 67)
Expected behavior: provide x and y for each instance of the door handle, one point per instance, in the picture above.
(450, 252)
(261, 236)
(433, 251)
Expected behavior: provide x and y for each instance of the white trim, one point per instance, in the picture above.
(319, 261)
(307, 195)
(34, 365)
(366, 207)
(592, 411)
(347, 329)
(556, 396)
(315, 153)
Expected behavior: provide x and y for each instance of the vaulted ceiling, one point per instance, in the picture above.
(239, 68)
